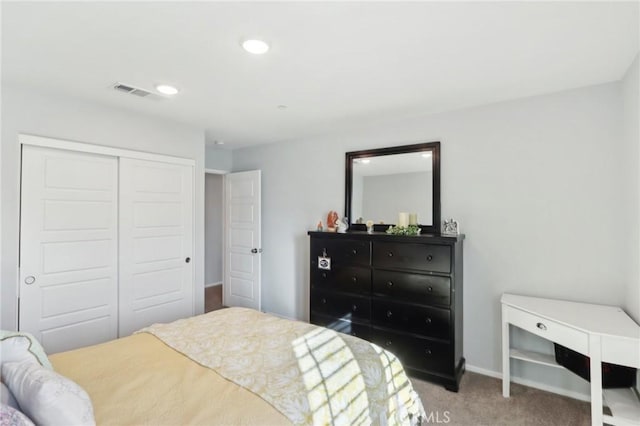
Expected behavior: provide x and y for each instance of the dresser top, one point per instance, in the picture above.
(363, 235)
(591, 318)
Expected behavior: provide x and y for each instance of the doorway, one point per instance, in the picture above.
(214, 240)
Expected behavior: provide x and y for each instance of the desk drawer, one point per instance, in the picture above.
(550, 330)
(621, 351)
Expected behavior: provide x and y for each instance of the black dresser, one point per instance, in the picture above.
(402, 293)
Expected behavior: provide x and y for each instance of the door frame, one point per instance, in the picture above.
(67, 145)
(224, 223)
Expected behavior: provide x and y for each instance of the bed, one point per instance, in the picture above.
(237, 366)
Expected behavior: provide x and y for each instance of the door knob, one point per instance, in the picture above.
(256, 250)
(30, 280)
(187, 260)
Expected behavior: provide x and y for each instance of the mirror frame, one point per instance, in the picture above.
(434, 147)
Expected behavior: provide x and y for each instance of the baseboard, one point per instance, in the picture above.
(531, 383)
(212, 284)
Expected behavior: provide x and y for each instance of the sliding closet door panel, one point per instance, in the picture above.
(156, 243)
(68, 247)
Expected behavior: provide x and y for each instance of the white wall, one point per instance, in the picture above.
(218, 159)
(53, 116)
(631, 125)
(536, 184)
(213, 213)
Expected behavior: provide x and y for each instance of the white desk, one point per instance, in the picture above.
(604, 333)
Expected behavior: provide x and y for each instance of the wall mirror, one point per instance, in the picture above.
(380, 183)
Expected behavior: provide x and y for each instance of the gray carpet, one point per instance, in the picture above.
(480, 402)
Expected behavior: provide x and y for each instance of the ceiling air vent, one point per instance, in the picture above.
(136, 91)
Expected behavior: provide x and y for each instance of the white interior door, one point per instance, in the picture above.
(242, 240)
(68, 247)
(156, 243)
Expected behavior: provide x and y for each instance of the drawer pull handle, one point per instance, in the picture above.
(390, 283)
(428, 320)
(354, 251)
(388, 343)
(323, 300)
(390, 254)
(389, 314)
(354, 308)
(429, 258)
(429, 289)
(324, 275)
(427, 352)
(541, 326)
(354, 279)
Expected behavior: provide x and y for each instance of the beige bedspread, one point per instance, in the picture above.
(284, 372)
(138, 380)
(311, 374)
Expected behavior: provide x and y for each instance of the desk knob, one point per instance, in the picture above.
(541, 326)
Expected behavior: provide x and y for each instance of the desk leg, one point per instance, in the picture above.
(595, 353)
(506, 375)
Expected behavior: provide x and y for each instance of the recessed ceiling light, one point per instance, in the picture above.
(165, 89)
(426, 155)
(257, 47)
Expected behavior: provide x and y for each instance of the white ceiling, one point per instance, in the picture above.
(335, 65)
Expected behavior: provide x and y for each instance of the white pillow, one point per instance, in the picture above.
(20, 346)
(7, 398)
(9, 416)
(48, 398)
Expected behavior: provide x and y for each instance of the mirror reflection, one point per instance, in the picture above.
(386, 185)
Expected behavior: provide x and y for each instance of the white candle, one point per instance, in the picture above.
(403, 219)
(413, 218)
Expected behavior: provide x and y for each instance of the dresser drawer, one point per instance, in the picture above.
(362, 331)
(423, 257)
(550, 330)
(341, 252)
(340, 306)
(352, 279)
(415, 352)
(430, 322)
(418, 288)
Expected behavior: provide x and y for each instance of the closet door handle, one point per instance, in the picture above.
(30, 280)
(187, 260)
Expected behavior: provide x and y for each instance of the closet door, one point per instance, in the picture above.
(68, 247)
(156, 243)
